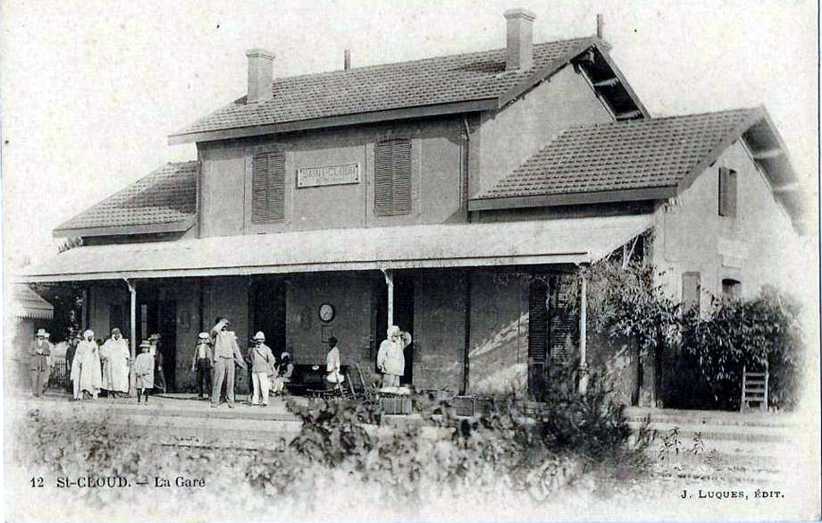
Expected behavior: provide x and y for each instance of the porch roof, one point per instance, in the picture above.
(573, 240)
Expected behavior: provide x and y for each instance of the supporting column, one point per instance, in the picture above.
(467, 333)
(583, 335)
(389, 281)
(132, 291)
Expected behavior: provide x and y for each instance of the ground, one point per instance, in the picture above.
(195, 461)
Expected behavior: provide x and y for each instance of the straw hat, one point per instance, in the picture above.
(41, 333)
(203, 336)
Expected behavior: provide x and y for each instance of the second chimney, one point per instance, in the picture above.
(520, 40)
(260, 74)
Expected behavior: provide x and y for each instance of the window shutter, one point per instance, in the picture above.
(691, 289)
(392, 177)
(563, 322)
(727, 192)
(268, 187)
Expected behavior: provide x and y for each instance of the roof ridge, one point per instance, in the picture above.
(419, 60)
(653, 119)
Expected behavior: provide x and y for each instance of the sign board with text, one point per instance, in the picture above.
(328, 175)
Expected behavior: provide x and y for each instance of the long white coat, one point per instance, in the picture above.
(115, 367)
(85, 368)
(391, 358)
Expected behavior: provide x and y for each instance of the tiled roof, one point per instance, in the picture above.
(166, 196)
(26, 303)
(446, 79)
(639, 154)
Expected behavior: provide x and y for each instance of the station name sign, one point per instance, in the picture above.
(328, 175)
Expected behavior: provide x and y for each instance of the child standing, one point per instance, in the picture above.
(144, 371)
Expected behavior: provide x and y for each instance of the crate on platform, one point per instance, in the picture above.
(396, 404)
(472, 405)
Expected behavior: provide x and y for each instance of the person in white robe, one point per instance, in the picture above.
(333, 364)
(391, 358)
(85, 369)
(115, 356)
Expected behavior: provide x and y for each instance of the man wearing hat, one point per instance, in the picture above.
(114, 356)
(390, 357)
(201, 363)
(263, 364)
(40, 362)
(226, 354)
(74, 338)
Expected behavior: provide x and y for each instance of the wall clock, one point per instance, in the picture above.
(326, 312)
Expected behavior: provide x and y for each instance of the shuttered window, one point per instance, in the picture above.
(268, 187)
(691, 289)
(727, 192)
(392, 177)
(563, 322)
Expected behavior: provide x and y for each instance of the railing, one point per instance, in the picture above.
(60, 375)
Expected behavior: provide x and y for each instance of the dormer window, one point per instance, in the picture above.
(727, 192)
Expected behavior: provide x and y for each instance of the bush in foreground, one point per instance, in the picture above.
(496, 454)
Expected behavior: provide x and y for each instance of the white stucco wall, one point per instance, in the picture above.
(757, 247)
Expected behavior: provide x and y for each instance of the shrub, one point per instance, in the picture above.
(747, 333)
(501, 451)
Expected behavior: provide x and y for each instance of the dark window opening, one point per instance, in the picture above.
(727, 192)
(731, 289)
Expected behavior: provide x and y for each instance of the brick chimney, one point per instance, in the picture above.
(260, 74)
(520, 41)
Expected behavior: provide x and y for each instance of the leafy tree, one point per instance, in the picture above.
(630, 302)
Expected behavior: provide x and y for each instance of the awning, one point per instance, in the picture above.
(26, 303)
(577, 240)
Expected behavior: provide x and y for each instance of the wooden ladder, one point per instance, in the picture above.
(754, 389)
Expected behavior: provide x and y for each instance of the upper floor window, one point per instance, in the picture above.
(691, 289)
(727, 192)
(392, 177)
(268, 187)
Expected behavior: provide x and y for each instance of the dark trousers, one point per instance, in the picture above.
(203, 376)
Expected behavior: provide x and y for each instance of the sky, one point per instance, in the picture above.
(91, 89)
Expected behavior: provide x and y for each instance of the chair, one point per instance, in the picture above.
(754, 389)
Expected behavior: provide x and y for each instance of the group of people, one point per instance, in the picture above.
(97, 368)
(216, 355)
(390, 360)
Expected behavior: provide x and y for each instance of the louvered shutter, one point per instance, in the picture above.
(563, 322)
(268, 187)
(537, 338)
(727, 192)
(392, 177)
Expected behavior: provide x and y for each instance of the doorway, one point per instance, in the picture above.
(160, 316)
(267, 312)
(403, 317)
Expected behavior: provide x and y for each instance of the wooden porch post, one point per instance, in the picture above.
(583, 335)
(389, 281)
(132, 290)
